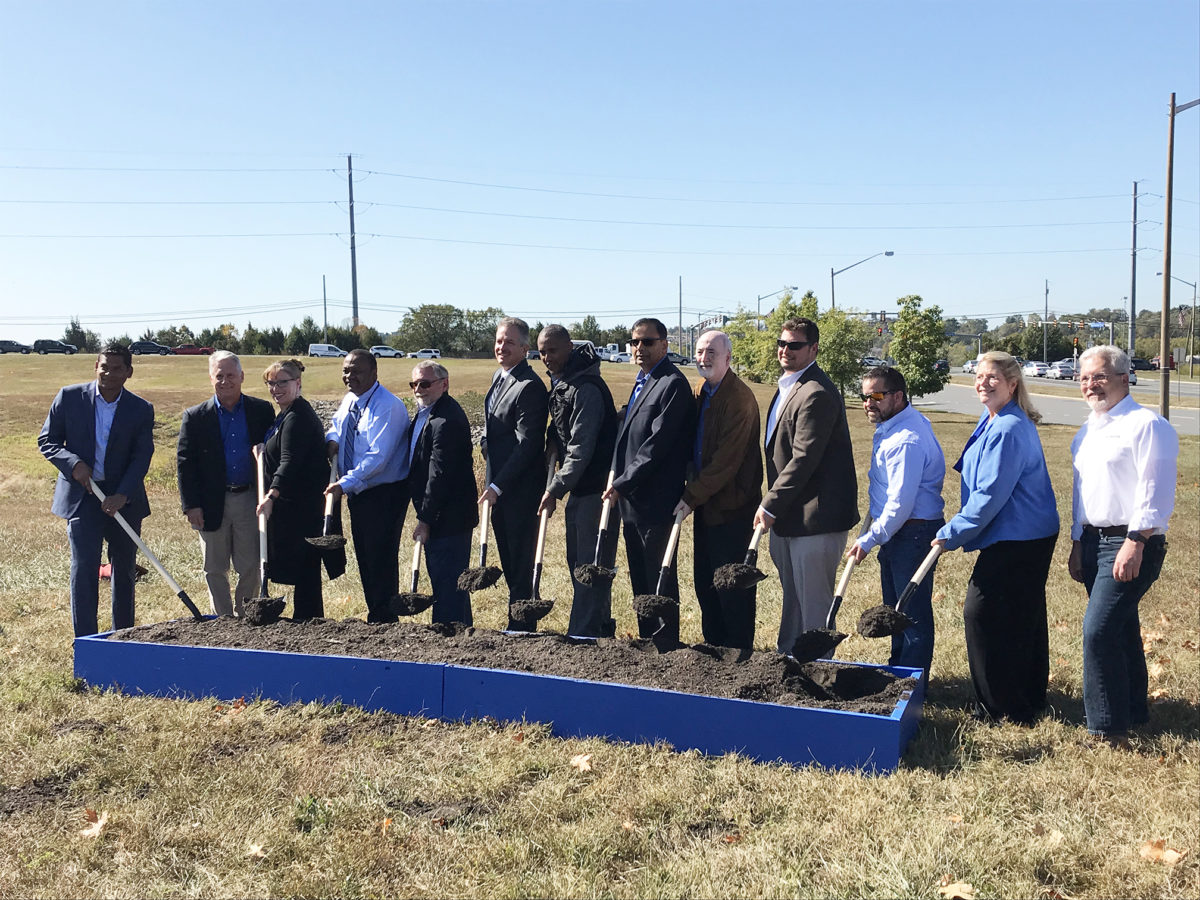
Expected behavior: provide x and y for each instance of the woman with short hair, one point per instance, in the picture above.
(296, 472)
(1010, 515)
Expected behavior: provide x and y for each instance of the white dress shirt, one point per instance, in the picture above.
(1124, 464)
(786, 383)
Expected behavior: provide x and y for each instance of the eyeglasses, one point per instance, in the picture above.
(423, 383)
(792, 345)
(1102, 378)
(280, 382)
(877, 396)
(638, 342)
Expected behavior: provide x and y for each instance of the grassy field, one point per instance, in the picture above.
(212, 798)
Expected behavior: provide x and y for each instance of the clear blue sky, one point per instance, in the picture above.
(166, 162)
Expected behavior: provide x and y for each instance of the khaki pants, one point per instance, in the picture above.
(236, 541)
(807, 572)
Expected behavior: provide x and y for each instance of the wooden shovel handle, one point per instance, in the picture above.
(485, 515)
(673, 540)
(416, 565)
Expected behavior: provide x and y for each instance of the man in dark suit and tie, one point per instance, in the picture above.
(812, 490)
(517, 405)
(217, 482)
(654, 442)
(441, 480)
(100, 430)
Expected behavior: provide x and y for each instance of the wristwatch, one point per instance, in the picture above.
(1135, 536)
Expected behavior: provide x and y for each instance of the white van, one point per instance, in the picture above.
(324, 350)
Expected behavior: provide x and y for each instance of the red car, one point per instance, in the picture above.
(192, 350)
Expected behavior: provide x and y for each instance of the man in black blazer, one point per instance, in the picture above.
(654, 441)
(217, 482)
(100, 430)
(441, 480)
(517, 405)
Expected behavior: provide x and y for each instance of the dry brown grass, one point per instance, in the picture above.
(490, 810)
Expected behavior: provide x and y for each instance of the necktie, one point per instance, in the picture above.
(637, 389)
(349, 430)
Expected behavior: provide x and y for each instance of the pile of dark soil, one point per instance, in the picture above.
(697, 669)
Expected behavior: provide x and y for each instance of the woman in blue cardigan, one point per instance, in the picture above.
(1009, 514)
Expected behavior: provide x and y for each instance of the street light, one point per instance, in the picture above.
(832, 303)
(1191, 329)
(758, 319)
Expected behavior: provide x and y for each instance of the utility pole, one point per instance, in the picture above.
(681, 315)
(325, 309)
(1133, 280)
(353, 254)
(1045, 316)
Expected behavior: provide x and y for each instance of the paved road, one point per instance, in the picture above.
(1058, 410)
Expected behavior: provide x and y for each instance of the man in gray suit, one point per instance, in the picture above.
(513, 443)
(812, 491)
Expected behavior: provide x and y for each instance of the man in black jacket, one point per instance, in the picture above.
(217, 486)
(441, 480)
(513, 444)
(582, 432)
(654, 440)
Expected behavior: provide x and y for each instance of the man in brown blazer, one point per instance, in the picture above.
(724, 489)
(812, 491)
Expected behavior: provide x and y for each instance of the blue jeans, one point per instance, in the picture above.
(446, 558)
(899, 560)
(1114, 665)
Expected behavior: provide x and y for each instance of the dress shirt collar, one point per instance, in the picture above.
(895, 423)
(1124, 408)
(230, 412)
(364, 399)
(788, 379)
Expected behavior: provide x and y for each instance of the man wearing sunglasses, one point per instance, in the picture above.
(654, 441)
(441, 480)
(905, 496)
(812, 491)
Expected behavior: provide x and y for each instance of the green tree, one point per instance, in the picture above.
(845, 337)
(587, 330)
(302, 335)
(754, 355)
(87, 341)
(477, 332)
(918, 336)
(430, 325)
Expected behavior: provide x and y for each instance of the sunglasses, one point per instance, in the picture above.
(423, 383)
(638, 342)
(877, 396)
(792, 345)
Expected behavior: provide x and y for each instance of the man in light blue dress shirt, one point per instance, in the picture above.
(907, 470)
(369, 438)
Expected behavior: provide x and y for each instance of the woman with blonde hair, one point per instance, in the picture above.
(296, 471)
(1009, 514)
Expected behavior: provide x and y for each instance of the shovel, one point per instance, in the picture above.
(831, 618)
(528, 612)
(657, 605)
(328, 541)
(481, 576)
(590, 573)
(817, 643)
(411, 603)
(883, 621)
(736, 576)
(263, 610)
(171, 583)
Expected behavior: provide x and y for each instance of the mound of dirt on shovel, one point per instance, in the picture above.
(697, 669)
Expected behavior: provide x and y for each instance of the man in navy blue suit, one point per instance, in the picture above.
(100, 430)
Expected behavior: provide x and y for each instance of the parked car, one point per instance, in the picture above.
(870, 362)
(621, 356)
(325, 350)
(969, 366)
(533, 354)
(192, 350)
(51, 346)
(942, 366)
(14, 347)
(1035, 367)
(1064, 368)
(137, 348)
(1136, 363)
(426, 353)
(381, 350)
(678, 358)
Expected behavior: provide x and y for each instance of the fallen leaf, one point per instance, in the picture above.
(1163, 620)
(256, 850)
(582, 762)
(1171, 857)
(1151, 637)
(218, 708)
(97, 820)
(732, 838)
(439, 822)
(519, 736)
(1062, 625)
(1189, 644)
(1156, 670)
(239, 704)
(383, 826)
(627, 825)
(1158, 695)
(956, 820)
(1158, 851)
(956, 890)
(939, 596)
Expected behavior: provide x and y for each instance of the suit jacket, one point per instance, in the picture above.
(654, 443)
(515, 432)
(729, 484)
(69, 436)
(811, 484)
(200, 458)
(441, 474)
(295, 463)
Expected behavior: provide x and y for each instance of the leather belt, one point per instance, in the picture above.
(236, 488)
(1108, 530)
